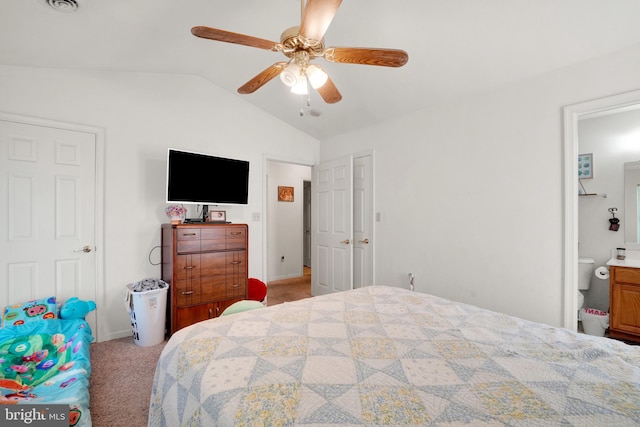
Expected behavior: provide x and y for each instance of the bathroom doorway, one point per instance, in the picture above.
(572, 117)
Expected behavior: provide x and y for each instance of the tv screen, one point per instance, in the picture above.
(208, 180)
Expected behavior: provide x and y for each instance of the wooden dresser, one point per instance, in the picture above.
(624, 311)
(206, 267)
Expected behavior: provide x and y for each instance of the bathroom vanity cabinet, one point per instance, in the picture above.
(624, 311)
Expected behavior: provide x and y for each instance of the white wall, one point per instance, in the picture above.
(143, 115)
(470, 191)
(613, 140)
(285, 221)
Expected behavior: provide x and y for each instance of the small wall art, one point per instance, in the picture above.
(285, 194)
(585, 166)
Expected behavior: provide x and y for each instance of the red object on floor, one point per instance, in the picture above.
(256, 290)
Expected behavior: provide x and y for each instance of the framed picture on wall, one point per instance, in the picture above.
(585, 166)
(285, 194)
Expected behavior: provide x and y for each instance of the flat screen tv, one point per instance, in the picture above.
(206, 180)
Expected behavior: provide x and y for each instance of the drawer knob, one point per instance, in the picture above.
(189, 267)
(235, 262)
(235, 233)
(188, 234)
(188, 292)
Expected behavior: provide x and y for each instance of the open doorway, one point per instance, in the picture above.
(572, 116)
(288, 246)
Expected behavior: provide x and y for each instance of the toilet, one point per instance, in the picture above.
(585, 270)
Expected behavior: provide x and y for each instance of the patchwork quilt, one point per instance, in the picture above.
(47, 362)
(388, 356)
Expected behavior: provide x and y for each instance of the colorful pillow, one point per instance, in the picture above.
(30, 311)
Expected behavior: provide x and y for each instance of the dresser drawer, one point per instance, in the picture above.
(188, 240)
(187, 292)
(213, 232)
(236, 287)
(236, 237)
(188, 234)
(214, 288)
(213, 264)
(213, 238)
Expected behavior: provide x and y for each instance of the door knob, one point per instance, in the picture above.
(346, 242)
(365, 241)
(85, 249)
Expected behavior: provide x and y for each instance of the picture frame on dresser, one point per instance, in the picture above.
(217, 216)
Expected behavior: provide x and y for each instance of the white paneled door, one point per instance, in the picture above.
(362, 222)
(331, 262)
(47, 216)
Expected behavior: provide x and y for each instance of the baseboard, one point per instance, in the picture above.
(292, 276)
(116, 335)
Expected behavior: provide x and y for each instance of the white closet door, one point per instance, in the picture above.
(362, 222)
(332, 222)
(47, 216)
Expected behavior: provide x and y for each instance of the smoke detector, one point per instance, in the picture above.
(61, 5)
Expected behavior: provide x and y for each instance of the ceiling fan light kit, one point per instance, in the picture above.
(302, 45)
(300, 88)
(317, 77)
(299, 73)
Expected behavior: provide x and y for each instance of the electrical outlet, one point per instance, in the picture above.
(282, 259)
(255, 216)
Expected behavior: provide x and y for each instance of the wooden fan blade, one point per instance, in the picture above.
(261, 79)
(229, 37)
(329, 92)
(367, 56)
(316, 18)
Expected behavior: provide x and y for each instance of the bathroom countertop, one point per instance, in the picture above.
(631, 262)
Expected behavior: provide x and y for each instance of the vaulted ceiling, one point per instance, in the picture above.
(455, 47)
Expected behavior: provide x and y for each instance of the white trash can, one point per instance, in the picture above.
(148, 310)
(594, 322)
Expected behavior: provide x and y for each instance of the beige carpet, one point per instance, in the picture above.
(122, 372)
(120, 384)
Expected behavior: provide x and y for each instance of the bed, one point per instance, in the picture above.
(45, 360)
(388, 356)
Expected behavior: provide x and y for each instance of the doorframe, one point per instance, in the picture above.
(99, 200)
(306, 213)
(266, 158)
(572, 115)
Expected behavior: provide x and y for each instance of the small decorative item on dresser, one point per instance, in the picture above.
(175, 213)
(217, 216)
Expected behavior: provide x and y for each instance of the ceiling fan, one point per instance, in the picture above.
(302, 45)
